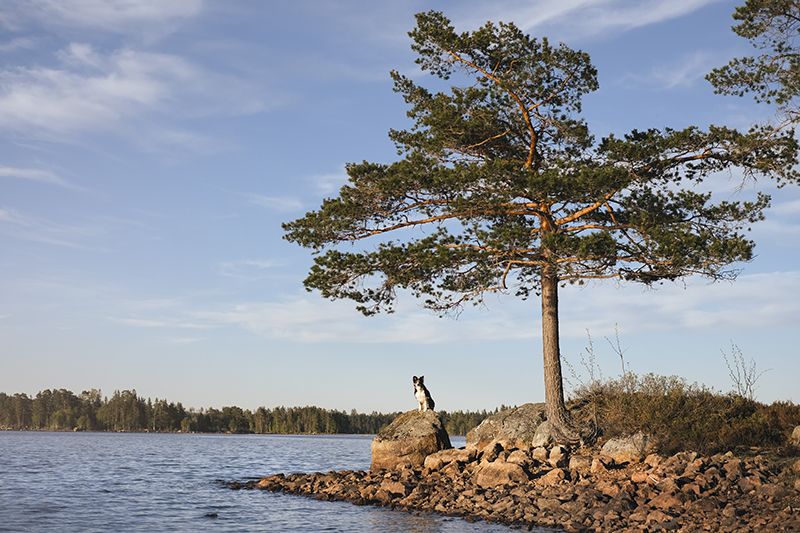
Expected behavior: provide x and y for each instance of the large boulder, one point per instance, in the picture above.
(512, 428)
(630, 449)
(409, 440)
(498, 473)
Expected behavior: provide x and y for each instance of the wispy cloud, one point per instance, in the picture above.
(20, 43)
(330, 183)
(124, 92)
(38, 229)
(107, 15)
(183, 341)
(752, 302)
(788, 208)
(164, 322)
(247, 269)
(686, 71)
(33, 174)
(275, 203)
(584, 18)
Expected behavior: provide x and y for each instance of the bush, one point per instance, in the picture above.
(684, 416)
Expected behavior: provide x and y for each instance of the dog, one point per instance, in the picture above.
(422, 394)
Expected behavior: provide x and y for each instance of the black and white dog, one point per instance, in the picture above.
(422, 394)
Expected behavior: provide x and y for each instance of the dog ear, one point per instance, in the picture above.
(421, 379)
(415, 379)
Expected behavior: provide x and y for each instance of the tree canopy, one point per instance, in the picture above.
(773, 76)
(502, 188)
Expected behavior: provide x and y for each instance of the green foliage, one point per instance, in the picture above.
(501, 183)
(460, 422)
(772, 77)
(686, 417)
(126, 411)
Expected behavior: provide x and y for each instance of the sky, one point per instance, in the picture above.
(150, 150)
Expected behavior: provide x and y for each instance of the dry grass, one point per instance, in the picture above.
(686, 416)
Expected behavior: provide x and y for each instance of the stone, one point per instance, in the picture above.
(437, 460)
(491, 453)
(771, 490)
(394, 487)
(666, 501)
(653, 460)
(513, 428)
(733, 467)
(500, 473)
(626, 499)
(581, 464)
(657, 517)
(629, 449)
(558, 457)
(539, 454)
(552, 477)
(795, 438)
(519, 457)
(408, 440)
(543, 436)
(433, 462)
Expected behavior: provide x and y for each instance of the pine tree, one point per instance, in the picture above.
(502, 188)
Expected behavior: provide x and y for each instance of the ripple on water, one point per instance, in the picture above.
(99, 482)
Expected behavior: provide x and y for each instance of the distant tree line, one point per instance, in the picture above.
(62, 410)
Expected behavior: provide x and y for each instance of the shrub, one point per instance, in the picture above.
(685, 416)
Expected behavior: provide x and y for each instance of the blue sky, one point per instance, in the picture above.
(150, 150)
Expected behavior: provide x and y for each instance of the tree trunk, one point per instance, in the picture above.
(561, 425)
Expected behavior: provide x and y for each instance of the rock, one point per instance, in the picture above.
(581, 464)
(653, 460)
(458, 455)
(408, 440)
(558, 457)
(629, 449)
(678, 493)
(552, 477)
(771, 490)
(436, 461)
(513, 428)
(542, 437)
(666, 501)
(657, 517)
(394, 487)
(519, 457)
(491, 453)
(795, 438)
(733, 467)
(599, 465)
(539, 454)
(500, 473)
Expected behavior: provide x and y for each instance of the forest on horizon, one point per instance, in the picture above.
(62, 410)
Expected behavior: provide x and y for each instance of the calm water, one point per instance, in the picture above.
(84, 482)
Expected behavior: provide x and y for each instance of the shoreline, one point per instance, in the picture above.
(179, 432)
(684, 493)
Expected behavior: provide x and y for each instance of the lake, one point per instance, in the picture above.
(85, 482)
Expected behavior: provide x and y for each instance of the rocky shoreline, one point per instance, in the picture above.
(579, 492)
